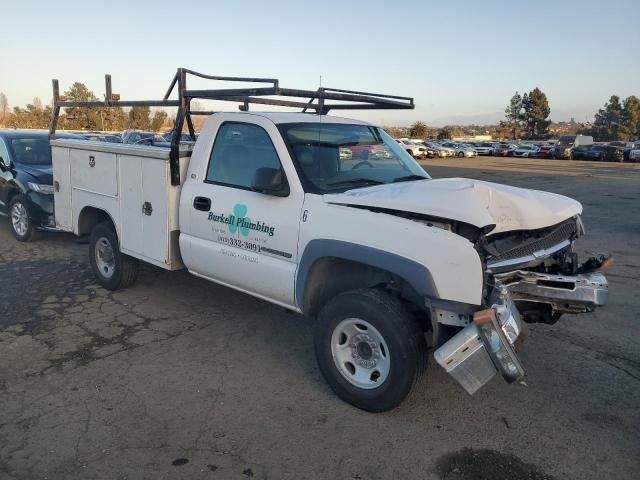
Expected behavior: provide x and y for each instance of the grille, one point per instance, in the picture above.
(565, 231)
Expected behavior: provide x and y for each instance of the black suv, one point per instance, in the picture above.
(26, 181)
(606, 153)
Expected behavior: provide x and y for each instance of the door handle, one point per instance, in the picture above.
(202, 203)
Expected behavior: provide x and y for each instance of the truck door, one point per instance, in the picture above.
(236, 236)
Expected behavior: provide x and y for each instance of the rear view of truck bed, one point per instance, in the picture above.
(132, 184)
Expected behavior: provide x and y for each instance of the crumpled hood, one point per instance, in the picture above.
(478, 203)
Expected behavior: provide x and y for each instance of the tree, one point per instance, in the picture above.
(514, 114)
(33, 116)
(158, 119)
(112, 118)
(630, 128)
(536, 113)
(608, 123)
(82, 118)
(139, 118)
(397, 132)
(4, 108)
(445, 134)
(418, 130)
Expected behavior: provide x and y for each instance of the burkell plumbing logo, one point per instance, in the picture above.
(238, 222)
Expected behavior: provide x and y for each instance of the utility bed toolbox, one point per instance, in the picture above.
(132, 184)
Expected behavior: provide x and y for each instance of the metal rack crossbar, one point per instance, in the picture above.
(320, 101)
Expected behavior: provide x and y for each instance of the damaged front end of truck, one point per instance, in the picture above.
(530, 276)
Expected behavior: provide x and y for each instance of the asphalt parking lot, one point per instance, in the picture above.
(180, 378)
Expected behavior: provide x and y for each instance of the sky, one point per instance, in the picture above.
(460, 60)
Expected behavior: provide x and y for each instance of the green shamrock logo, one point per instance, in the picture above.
(240, 212)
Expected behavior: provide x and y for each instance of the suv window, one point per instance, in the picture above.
(4, 153)
(239, 150)
(31, 150)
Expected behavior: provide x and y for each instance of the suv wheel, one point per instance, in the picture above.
(112, 269)
(20, 219)
(370, 349)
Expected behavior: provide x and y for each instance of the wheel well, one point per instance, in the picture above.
(89, 217)
(12, 193)
(330, 276)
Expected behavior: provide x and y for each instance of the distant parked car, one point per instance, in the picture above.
(101, 137)
(525, 151)
(366, 152)
(485, 148)
(580, 152)
(460, 150)
(439, 150)
(26, 181)
(503, 149)
(634, 153)
(414, 149)
(606, 153)
(184, 137)
(138, 137)
(545, 151)
(345, 153)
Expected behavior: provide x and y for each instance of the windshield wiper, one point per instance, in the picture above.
(409, 178)
(355, 181)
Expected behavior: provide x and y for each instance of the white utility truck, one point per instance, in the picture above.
(388, 261)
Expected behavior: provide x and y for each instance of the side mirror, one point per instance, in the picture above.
(3, 164)
(270, 181)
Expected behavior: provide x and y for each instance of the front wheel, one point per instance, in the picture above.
(112, 269)
(21, 219)
(461, 154)
(370, 349)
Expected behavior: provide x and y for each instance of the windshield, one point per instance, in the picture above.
(336, 157)
(30, 151)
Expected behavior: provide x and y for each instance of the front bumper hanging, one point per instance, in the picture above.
(475, 354)
(486, 346)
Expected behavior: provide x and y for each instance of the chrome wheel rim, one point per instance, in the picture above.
(105, 259)
(360, 353)
(20, 218)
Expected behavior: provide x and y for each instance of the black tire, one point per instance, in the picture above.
(125, 268)
(460, 154)
(407, 351)
(22, 203)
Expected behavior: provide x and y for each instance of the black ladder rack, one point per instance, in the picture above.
(321, 101)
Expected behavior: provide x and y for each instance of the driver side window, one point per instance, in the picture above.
(240, 149)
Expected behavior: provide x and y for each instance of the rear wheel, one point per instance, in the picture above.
(370, 349)
(112, 269)
(461, 154)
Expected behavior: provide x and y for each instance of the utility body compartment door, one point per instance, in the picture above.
(229, 233)
(62, 188)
